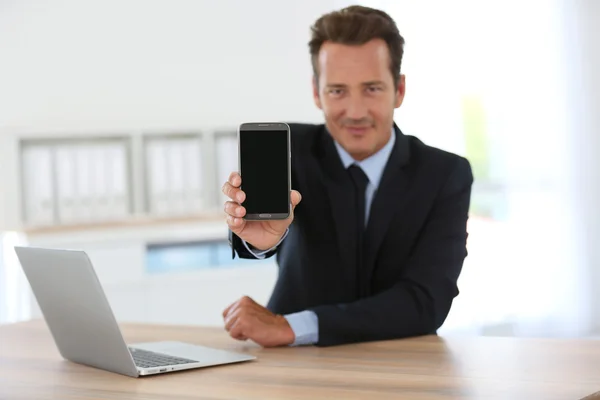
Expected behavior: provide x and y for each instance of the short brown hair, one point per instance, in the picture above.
(356, 25)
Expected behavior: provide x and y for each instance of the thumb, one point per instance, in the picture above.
(296, 197)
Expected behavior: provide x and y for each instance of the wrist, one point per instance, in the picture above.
(270, 246)
(288, 335)
(260, 249)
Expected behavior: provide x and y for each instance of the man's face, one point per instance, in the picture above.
(357, 94)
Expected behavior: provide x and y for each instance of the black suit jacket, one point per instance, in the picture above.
(414, 250)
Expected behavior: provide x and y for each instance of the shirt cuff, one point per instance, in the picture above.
(261, 254)
(305, 325)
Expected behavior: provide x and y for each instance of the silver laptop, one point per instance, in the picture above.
(84, 327)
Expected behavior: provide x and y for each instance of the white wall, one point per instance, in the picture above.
(154, 64)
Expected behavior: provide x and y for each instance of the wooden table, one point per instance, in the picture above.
(417, 368)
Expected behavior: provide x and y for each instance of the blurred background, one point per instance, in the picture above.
(118, 123)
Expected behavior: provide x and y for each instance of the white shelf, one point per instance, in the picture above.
(93, 180)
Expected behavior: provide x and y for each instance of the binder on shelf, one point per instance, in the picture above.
(174, 175)
(100, 176)
(65, 180)
(91, 181)
(38, 192)
(193, 176)
(117, 180)
(156, 168)
(84, 184)
(175, 170)
(226, 160)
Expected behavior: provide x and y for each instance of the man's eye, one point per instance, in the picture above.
(374, 88)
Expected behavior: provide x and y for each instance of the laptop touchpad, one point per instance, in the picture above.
(193, 352)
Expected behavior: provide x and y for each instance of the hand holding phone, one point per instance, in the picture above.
(262, 201)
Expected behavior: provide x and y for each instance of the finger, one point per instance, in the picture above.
(238, 330)
(233, 307)
(234, 209)
(244, 304)
(230, 308)
(231, 319)
(296, 197)
(236, 224)
(235, 179)
(233, 193)
(236, 315)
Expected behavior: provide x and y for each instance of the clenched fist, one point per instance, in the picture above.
(246, 319)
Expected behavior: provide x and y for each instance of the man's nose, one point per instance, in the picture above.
(356, 108)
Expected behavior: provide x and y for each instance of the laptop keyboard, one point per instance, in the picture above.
(149, 359)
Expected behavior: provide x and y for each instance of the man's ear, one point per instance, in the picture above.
(315, 87)
(400, 91)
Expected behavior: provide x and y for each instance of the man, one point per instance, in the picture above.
(374, 249)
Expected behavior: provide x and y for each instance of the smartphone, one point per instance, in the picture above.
(265, 168)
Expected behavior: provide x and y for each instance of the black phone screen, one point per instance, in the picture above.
(264, 170)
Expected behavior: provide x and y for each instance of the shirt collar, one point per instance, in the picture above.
(372, 166)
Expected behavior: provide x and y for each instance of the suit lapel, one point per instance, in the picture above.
(389, 199)
(339, 187)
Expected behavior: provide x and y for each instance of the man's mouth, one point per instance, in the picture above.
(357, 130)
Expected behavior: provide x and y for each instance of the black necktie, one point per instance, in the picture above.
(360, 185)
(361, 181)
